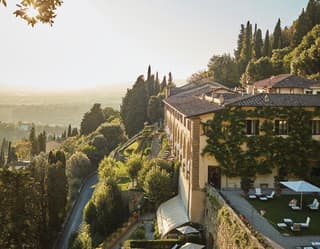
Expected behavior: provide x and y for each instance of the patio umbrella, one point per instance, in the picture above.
(187, 230)
(302, 187)
(191, 246)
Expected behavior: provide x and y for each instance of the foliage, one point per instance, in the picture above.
(305, 59)
(134, 108)
(150, 244)
(155, 109)
(113, 134)
(138, 234)
(157, 185)
(226, 138)
(57, 189)
(258, 70)
(45, 10)
(92, 119)
(224, 70)
(81, 239)
(77, 168)
(111, 114)
(19, 216)
(134, 166)
(200, 75)
(105, 211)
(252, 55)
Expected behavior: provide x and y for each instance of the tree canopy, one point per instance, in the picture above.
(35, 11)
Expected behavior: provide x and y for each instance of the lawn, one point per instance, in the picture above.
(277, 209)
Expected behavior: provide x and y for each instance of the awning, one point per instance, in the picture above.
(187, 230)
(170, 215)
(192, 246)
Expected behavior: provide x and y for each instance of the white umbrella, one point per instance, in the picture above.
(187, 230)
(301, 186)
(191, 246)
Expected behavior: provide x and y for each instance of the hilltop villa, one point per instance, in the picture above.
(188, 111)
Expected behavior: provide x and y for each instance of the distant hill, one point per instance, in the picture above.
(55, 108)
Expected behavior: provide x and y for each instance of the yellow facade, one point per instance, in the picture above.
(188, 141)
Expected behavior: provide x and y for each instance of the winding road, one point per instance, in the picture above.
(75, 218)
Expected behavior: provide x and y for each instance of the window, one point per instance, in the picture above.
(308, 92)
(315, 127)
(281, 127)
(252, 127)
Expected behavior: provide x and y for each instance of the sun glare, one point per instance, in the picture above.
(32, 12)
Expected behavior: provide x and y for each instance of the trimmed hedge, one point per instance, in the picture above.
(150, 244)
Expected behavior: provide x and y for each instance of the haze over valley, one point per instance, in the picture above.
(56, 108)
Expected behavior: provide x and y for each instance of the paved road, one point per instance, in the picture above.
(76, 215)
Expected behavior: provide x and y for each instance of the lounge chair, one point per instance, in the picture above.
(267, 197)
(256, 194)
(306, 224)
(271, 196)
(314, 205)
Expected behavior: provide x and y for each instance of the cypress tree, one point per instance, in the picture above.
(303, 26)
(277, 39)
(34, 142)
(157, 84)
(133, 110)
(170, 80)
(313, 13)
(246, 51)
(2, 154)
(74, 132)
(69, 131)
(266, 45)
(149, 73)
(163, 84)
(42, 140)
(239, 43)
(258, 44)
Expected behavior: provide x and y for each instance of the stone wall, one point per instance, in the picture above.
(224, 228)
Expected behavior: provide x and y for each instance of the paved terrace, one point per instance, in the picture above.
(260, 224)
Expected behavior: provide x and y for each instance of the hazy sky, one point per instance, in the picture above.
(103, 42)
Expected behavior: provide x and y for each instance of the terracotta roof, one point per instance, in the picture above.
(204, 83)
(278, 100)
(284, 81)
(192, 106)
(269, 82)
(198, 101)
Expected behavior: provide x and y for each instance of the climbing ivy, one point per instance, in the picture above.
(245, 156)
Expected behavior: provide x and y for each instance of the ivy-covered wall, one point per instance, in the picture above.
(241, 155)
(225, 229)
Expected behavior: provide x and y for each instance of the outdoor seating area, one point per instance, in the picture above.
(313, 245)
(294, 226)
(258, 194)
(287, 220)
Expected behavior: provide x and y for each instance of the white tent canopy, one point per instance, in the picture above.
(302, 187)
(191, 246)
(187, 230)
(170, 215)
